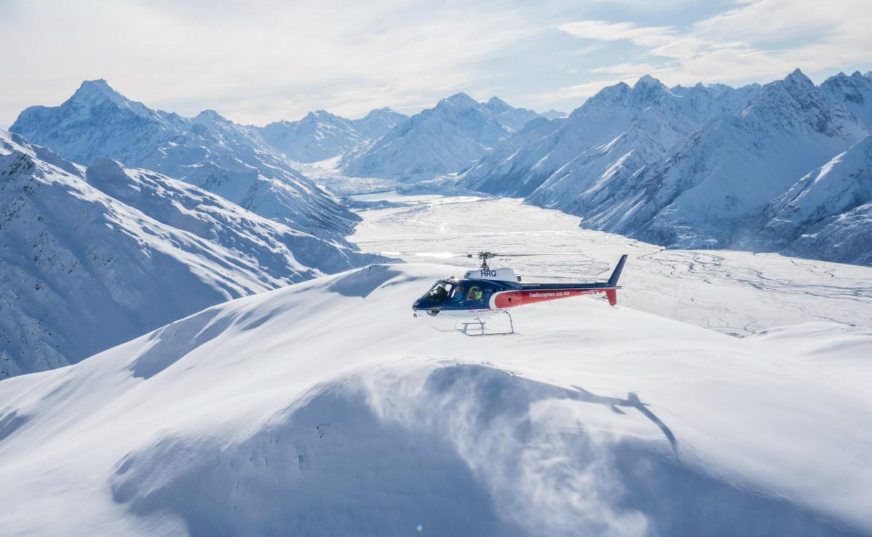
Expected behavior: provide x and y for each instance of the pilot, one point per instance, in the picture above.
(439, 294)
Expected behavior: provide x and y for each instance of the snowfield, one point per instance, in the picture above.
(325, 408)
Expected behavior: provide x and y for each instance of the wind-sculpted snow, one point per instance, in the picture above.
(444, 139)
(308, 411)
(208, 151)
(90, 259)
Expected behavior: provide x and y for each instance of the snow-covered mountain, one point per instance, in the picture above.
(208, 151)
(318, 136)
(583, 162)
(554, 114)
(688, 167)
(444, 139)
(379, 122)
(711, 190)
(92, 258)
(284, 414)
(855, 92)
(322, 135)
(509, 117)
(828, 213)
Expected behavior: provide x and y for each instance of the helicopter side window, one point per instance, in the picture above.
(474, 294)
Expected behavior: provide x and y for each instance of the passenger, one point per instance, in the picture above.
(475, 293)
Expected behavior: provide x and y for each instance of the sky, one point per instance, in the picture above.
(266, 60)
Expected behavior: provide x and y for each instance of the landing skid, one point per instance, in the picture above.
(479, 325)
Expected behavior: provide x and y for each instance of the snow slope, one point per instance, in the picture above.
(208, 151)
(828, 213)
(444, 139)
(90, 259)
(255, 418)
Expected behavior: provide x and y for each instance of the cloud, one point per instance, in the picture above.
(617, 31)
(258, 62)
(265, 60)
(756, 40)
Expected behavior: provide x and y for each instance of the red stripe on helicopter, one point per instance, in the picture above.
(511, 299)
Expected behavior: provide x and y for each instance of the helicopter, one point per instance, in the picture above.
(487, 291)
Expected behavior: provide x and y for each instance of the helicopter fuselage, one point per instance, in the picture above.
(486, 291)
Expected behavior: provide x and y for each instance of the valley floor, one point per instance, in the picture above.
(733, 292)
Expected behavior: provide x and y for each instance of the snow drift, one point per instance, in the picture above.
(325, 408)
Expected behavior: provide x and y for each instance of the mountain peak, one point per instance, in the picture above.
(648, 81)
(93, 90)
(459, 99)
(554, 114)
(209, 113)
(497, 104)
(320, 114)
(798, 77)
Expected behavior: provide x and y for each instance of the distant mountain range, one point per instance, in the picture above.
(440, 140)
(92, 257)
(703, 166)
(321, 135)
